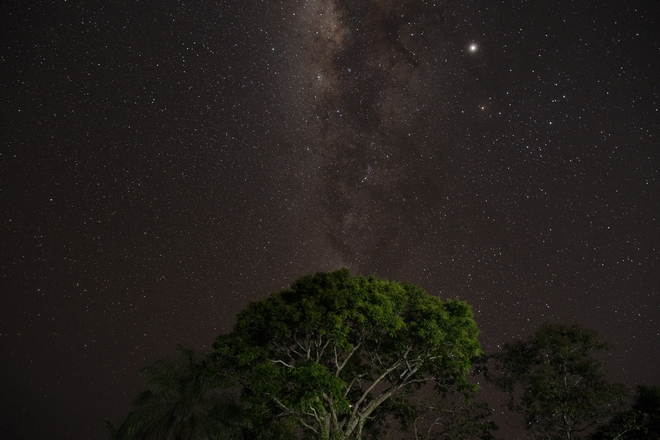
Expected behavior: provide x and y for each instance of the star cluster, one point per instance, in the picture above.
(165, 163)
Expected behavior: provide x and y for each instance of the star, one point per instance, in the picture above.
(473, 47)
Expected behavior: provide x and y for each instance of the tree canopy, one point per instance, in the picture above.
(640, 422)
(181, 402)
(343, 357)
(439, 416)
(328, 352)
(556, 383)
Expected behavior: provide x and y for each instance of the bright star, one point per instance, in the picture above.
(473, 47)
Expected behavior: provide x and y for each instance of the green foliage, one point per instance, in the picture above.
(641, 422)
(339, 357)
(449, 415)
(554, 380)
(648, 405)
(180, 403)
(330, 350)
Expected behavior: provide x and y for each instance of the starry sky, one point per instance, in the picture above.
(163, 163)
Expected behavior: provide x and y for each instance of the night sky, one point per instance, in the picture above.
(163, 163)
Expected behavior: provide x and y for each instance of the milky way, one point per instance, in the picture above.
(372, 89)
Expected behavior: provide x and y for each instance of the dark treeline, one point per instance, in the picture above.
(340, 357)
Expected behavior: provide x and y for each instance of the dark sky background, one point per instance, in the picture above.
(165, 162)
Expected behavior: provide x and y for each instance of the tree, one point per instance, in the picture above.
(180, 403)
(554, 381)
(641, 422)
(441, 416)
(648, 404)
(328, 352)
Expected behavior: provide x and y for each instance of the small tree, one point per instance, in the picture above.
(554, 381)
(449, 415)
(641, 422)
(647, 404)
(180, 402)
(331, 350)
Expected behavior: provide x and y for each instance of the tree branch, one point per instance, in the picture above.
(346, 359)
(278, 361)
(376, 382)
